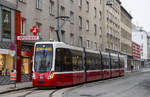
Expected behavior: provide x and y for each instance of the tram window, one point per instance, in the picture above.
(121, 63)
(112, 63)
(58, 60)
(106, 63)
(93, 61)
(115, 64)
(63, 60)
(68, 60)
(77, 60)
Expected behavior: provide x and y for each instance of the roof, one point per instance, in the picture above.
(64, 45)
(128, 14)
(118, 1)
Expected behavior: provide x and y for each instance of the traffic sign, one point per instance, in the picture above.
(12, 46)
(12, 53)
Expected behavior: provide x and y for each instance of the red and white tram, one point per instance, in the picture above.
(58, 64)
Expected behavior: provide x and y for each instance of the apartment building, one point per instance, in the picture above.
(139, 36)
(126, 36)
(148, 46)
(111, 33)
(9, 28)
(148, 49)
(136, 53)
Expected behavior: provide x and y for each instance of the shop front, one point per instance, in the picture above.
(7, 37)
(6, 66)
(26, 66)
(6, 63)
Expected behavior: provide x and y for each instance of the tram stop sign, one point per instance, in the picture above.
(12, 46)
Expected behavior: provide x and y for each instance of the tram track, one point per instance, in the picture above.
(29, 92)
(52, 92)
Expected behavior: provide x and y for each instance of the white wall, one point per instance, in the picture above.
(140, 37)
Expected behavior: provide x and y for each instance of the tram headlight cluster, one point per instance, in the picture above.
(33, 75)
(51, 75)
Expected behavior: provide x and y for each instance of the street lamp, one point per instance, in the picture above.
(64, 18)
(109, 3)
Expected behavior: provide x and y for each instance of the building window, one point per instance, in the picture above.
(6, 24)
(80, 22)
(142, 37)
(38, 25)
(72, 39)
(95, 29)
(39, 4)
(95, 45)
(6, 64)
(72, 1)
(95, 11)
(62, 11)
(100, 2)
(100, 15)
(80, 3)
(51, 7)
(22, 1)
(51, 29)
(87, 43)
(87, 5)
(25, 65)
(87, 25)
(23, 26)
(71, 17)
(63, 35)
(80, 41)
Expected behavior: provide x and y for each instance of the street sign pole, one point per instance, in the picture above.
(12, 52)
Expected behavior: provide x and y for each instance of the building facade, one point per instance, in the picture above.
(111, 34)
(148, 46)
(9, 27)
(126, 36)
(139, 36)
(83, 29)
(136, 53)
(92, 24)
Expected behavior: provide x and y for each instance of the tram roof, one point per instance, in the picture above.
(64, 45)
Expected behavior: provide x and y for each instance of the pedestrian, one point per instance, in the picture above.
(131, 67)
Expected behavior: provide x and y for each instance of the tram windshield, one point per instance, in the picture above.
(43, 58)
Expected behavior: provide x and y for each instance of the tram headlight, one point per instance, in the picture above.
(33, 75)
(51, 75)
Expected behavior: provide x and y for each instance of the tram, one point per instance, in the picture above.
(59, 64)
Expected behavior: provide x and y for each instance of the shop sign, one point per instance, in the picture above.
(3, 51)
(34, 30)
(28, 38)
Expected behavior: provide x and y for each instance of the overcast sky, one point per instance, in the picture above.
(140, 11)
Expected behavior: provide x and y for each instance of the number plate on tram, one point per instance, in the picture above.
(40, 81)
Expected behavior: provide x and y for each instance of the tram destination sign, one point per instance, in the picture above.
(28, 38)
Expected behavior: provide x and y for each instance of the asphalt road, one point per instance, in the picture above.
(135, 85)
(132, 85)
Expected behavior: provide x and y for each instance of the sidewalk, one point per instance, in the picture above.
(11, 87)
(145, 70)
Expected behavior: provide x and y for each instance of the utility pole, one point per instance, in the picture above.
(63, 18)
(57, 31)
